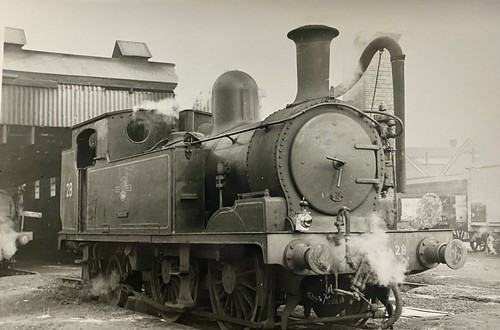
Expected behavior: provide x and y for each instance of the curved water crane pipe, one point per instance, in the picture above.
(397, 63)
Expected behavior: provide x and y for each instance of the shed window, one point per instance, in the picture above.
(53, 187)
(37, 189)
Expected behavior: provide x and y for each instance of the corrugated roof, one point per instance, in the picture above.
(63, 66)
(59, 90)
(66, 105)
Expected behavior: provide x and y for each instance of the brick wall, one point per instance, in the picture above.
(362, 94)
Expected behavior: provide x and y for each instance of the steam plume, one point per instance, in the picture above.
(374, 247)
(167, 107)
(8, 237)
(346, 85)
(103, 285)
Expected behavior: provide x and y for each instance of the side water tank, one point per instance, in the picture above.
(235, 101)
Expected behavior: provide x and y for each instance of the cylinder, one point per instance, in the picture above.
(313, 60)
(300, 255)
(235, 101)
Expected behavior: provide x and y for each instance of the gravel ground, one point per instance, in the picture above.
(469, 296)
(41, 301)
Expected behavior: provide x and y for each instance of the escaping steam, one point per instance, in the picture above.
(102, 286)
(163, 112)
(99, 286)
(9, 226)
(8, 238)
(375, 248)
(8, 235)
(166, 107)
(346, 85)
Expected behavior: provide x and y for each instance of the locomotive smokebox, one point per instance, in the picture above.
(235, 101)
(313, 60)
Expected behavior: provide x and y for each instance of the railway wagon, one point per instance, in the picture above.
(483, 187)
(465, 203)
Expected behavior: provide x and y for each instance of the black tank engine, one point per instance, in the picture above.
(242, 216)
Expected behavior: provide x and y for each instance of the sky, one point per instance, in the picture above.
(452, 49)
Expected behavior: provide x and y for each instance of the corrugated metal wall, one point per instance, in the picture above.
(67, 105)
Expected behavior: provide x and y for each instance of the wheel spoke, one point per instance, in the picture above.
(227, 303)
(238, 307)
(167, 292)
(249, 285)
(221, 295)
(244, 305)
(246, 280)
(170, 295)
(241, 265)
(247, 296)
(114, 273)
(232, 307)
(246, 273)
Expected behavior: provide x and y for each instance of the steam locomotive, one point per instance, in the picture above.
(242, 220)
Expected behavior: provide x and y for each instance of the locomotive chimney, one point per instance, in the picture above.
(313, 60)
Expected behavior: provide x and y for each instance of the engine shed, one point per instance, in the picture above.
(43, 95)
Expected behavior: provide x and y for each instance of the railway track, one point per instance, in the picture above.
(412, 285)
(200, 319)
(71, 281)
(205, 319)
(15, 271)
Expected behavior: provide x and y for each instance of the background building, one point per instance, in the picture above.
(43, 95)
(442, 171)
(430, 169)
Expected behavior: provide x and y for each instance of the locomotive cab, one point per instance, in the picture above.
(96, 184)
(120, 134)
